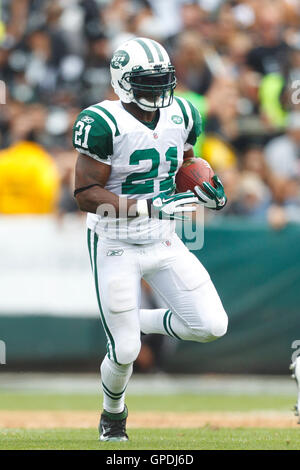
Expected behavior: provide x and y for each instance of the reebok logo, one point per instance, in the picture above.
(114, 252)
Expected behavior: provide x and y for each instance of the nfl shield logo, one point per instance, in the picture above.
(155, 135)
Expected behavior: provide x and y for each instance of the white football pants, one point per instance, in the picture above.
(173, 272)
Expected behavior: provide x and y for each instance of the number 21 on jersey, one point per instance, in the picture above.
(83, 130)
(143, 182)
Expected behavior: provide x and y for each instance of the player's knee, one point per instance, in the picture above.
(213, 329)
(128, 350)
(217, 328)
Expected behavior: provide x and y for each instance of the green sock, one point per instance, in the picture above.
(117, 416)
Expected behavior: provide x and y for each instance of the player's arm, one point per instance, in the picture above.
(91, 177)
(214, 196)
(188, 154)
(93, 139)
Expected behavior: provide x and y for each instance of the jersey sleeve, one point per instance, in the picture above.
(93, 136)
(192, 122)
(196, 125)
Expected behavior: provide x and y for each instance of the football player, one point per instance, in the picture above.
(295, 368)
(129, 153)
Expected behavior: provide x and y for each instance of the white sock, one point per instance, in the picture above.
(162, 321)
(114, 382)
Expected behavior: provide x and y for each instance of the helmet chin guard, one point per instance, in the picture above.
(147, 105)
(141, 73)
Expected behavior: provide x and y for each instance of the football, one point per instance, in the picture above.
(193, 172)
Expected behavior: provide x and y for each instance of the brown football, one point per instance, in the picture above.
(193, 172)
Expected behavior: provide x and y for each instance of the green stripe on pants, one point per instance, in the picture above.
(89, 245)
(106, 329)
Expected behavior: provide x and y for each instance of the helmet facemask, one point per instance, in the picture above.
(153, 88)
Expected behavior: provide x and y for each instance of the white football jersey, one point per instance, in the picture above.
(143, 161)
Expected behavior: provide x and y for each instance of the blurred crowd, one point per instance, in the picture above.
(237, 61)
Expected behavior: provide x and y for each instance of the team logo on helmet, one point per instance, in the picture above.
(120, 59)
(177, 119)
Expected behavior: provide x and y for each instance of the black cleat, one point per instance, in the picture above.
(113, 428)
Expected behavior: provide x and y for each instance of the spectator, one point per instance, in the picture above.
(29, 179)
(253, 198)
(283, 153)
(237, 61)
(269, 54)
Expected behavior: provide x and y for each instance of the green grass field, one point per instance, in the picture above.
(170, 439)
(179, 403)
(205, 437)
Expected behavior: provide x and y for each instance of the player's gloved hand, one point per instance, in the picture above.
(166, 205)
(214, 196)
